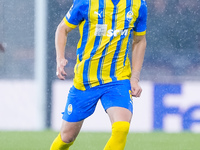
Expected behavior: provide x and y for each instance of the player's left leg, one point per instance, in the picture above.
(118, 104)
(120, 119)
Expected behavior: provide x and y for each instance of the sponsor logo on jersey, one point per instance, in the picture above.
(115, 33)
(100, 29)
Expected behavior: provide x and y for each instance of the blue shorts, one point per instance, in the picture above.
(81, 104)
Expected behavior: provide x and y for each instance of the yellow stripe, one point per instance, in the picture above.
(135, 9)
(127, 70)
(89, 46)
(121, 16)
(81, 33)
(120, 62)
(78, 79)
(139, 33)
(105, 72)
(93, 21)
(69, 24)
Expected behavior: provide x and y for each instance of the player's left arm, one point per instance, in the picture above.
(138, 52)
(138, 49)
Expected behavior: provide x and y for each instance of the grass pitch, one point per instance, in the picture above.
(96, 141)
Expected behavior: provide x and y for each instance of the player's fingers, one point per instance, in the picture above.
(59, 75)
(63, 72)
(136, 92)
(139, 92)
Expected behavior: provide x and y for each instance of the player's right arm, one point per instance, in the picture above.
(60, 43)
(72, 19)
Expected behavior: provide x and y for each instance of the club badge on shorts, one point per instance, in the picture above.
(69, 109)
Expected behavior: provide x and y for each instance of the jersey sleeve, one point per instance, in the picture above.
(74, 16)
(140, 24)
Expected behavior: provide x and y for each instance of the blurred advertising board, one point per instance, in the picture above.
(164, 107)
(19, 107)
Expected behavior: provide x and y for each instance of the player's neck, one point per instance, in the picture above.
(115, 2)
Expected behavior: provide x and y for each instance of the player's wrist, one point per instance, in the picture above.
(135, 76)
(60, 57)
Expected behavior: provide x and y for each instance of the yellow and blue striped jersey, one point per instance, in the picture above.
(105, 28)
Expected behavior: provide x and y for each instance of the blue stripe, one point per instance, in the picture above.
(100, 65)
(112, 71)
(80, 51)
(114, 60)
(99, 69)
(127, 48)
(97, 42)
(129, 6)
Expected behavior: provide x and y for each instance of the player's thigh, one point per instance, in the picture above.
(80, 104)
(117, 101)
(70, 130)
(119, 114)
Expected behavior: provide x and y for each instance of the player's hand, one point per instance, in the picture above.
(61, 63)
(136, 90)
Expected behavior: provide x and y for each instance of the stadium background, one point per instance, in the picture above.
(32, 98)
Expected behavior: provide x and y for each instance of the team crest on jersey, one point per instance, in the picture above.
(129, 16)
(69, 109)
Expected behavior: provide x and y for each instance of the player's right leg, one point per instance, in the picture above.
(80, 105)
(67, 135)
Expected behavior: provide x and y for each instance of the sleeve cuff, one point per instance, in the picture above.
(69, 24)
(140, 33)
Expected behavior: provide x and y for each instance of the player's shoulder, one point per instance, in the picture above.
(81, 3)
(143, 4)
(143, 7)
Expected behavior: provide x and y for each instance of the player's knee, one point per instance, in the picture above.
(67, 138)
(120, 129)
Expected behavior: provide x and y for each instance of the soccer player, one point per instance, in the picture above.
(103, 70)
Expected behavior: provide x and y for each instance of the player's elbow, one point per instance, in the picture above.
(62, 28)
(139, 40)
